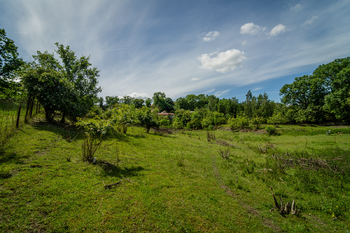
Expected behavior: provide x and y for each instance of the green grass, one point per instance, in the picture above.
(173, 182)
(8, 117)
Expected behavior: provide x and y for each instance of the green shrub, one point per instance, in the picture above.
(271, 130)
(96, 131)
(239, 123)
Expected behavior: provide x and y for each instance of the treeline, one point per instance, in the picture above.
(321, 97)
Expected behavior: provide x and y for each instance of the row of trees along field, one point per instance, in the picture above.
(68, 87)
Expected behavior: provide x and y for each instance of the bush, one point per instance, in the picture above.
(96, 131)
(271, 130)
(239, 123)
(257, 121)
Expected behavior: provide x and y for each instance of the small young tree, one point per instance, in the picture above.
(147, 118)
(96, 131)
(257, 121)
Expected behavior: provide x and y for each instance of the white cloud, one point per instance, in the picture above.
(244, 42)
(220, 93)
(280, 28)
(297, 7)
(210, 36)
(139, 95)
(196, 79)
(223, 62)
(210, 91)
(257, 89)
(311, 20)
(252, 29)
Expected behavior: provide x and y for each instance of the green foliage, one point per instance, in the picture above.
(123, 116)
(96, 131)
(271, 130)
(147, 118)
(51, 89)
(325, 90)
(337, 102)
(238, 123)
(182, 117)
(10, 62)
(213, 119)
(277, 118)
(256, 121)
(68, 86)
(138, 103)
(111, 101)
(162, 102)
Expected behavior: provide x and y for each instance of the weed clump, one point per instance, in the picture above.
(271, 130)
(211, 136)
(225, 153)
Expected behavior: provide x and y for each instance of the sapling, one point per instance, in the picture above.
(96, 131)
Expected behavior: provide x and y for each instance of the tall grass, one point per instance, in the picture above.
(8, 118)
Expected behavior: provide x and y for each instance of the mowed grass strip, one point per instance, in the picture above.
(169, 183)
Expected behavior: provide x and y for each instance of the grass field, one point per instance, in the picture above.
(175, 182)
(8, 116)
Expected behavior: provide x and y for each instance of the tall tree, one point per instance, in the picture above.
(68, 86)
(9, 63)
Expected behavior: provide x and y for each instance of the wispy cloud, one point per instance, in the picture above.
(252, 29)
(220, 93)
(195, 79)
(210, 36)
(297, 7)
(310, 20)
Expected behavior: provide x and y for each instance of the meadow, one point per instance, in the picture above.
(175, 180)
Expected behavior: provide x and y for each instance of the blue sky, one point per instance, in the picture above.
(180, 47)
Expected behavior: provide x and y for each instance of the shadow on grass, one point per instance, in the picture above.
(6, 157)
(67, 131)
(116, 171)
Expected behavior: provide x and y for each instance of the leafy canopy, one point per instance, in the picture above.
(10, 62)
(67, 85)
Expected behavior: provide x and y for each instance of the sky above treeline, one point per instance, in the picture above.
(185, 47)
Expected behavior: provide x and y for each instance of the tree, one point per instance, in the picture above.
(162, 102)
(147, 118)
(50, 88)
(111, 101)
(138, 103)
(324, 92)
(336, 102)
(73, 86)
(249, 105)
(305, 90)
(148, 102)
(10, 62)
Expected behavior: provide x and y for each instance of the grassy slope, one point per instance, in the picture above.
(175, 183)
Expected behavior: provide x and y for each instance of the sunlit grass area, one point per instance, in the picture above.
(176, 181)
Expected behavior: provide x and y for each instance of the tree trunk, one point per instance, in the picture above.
(28, 104)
